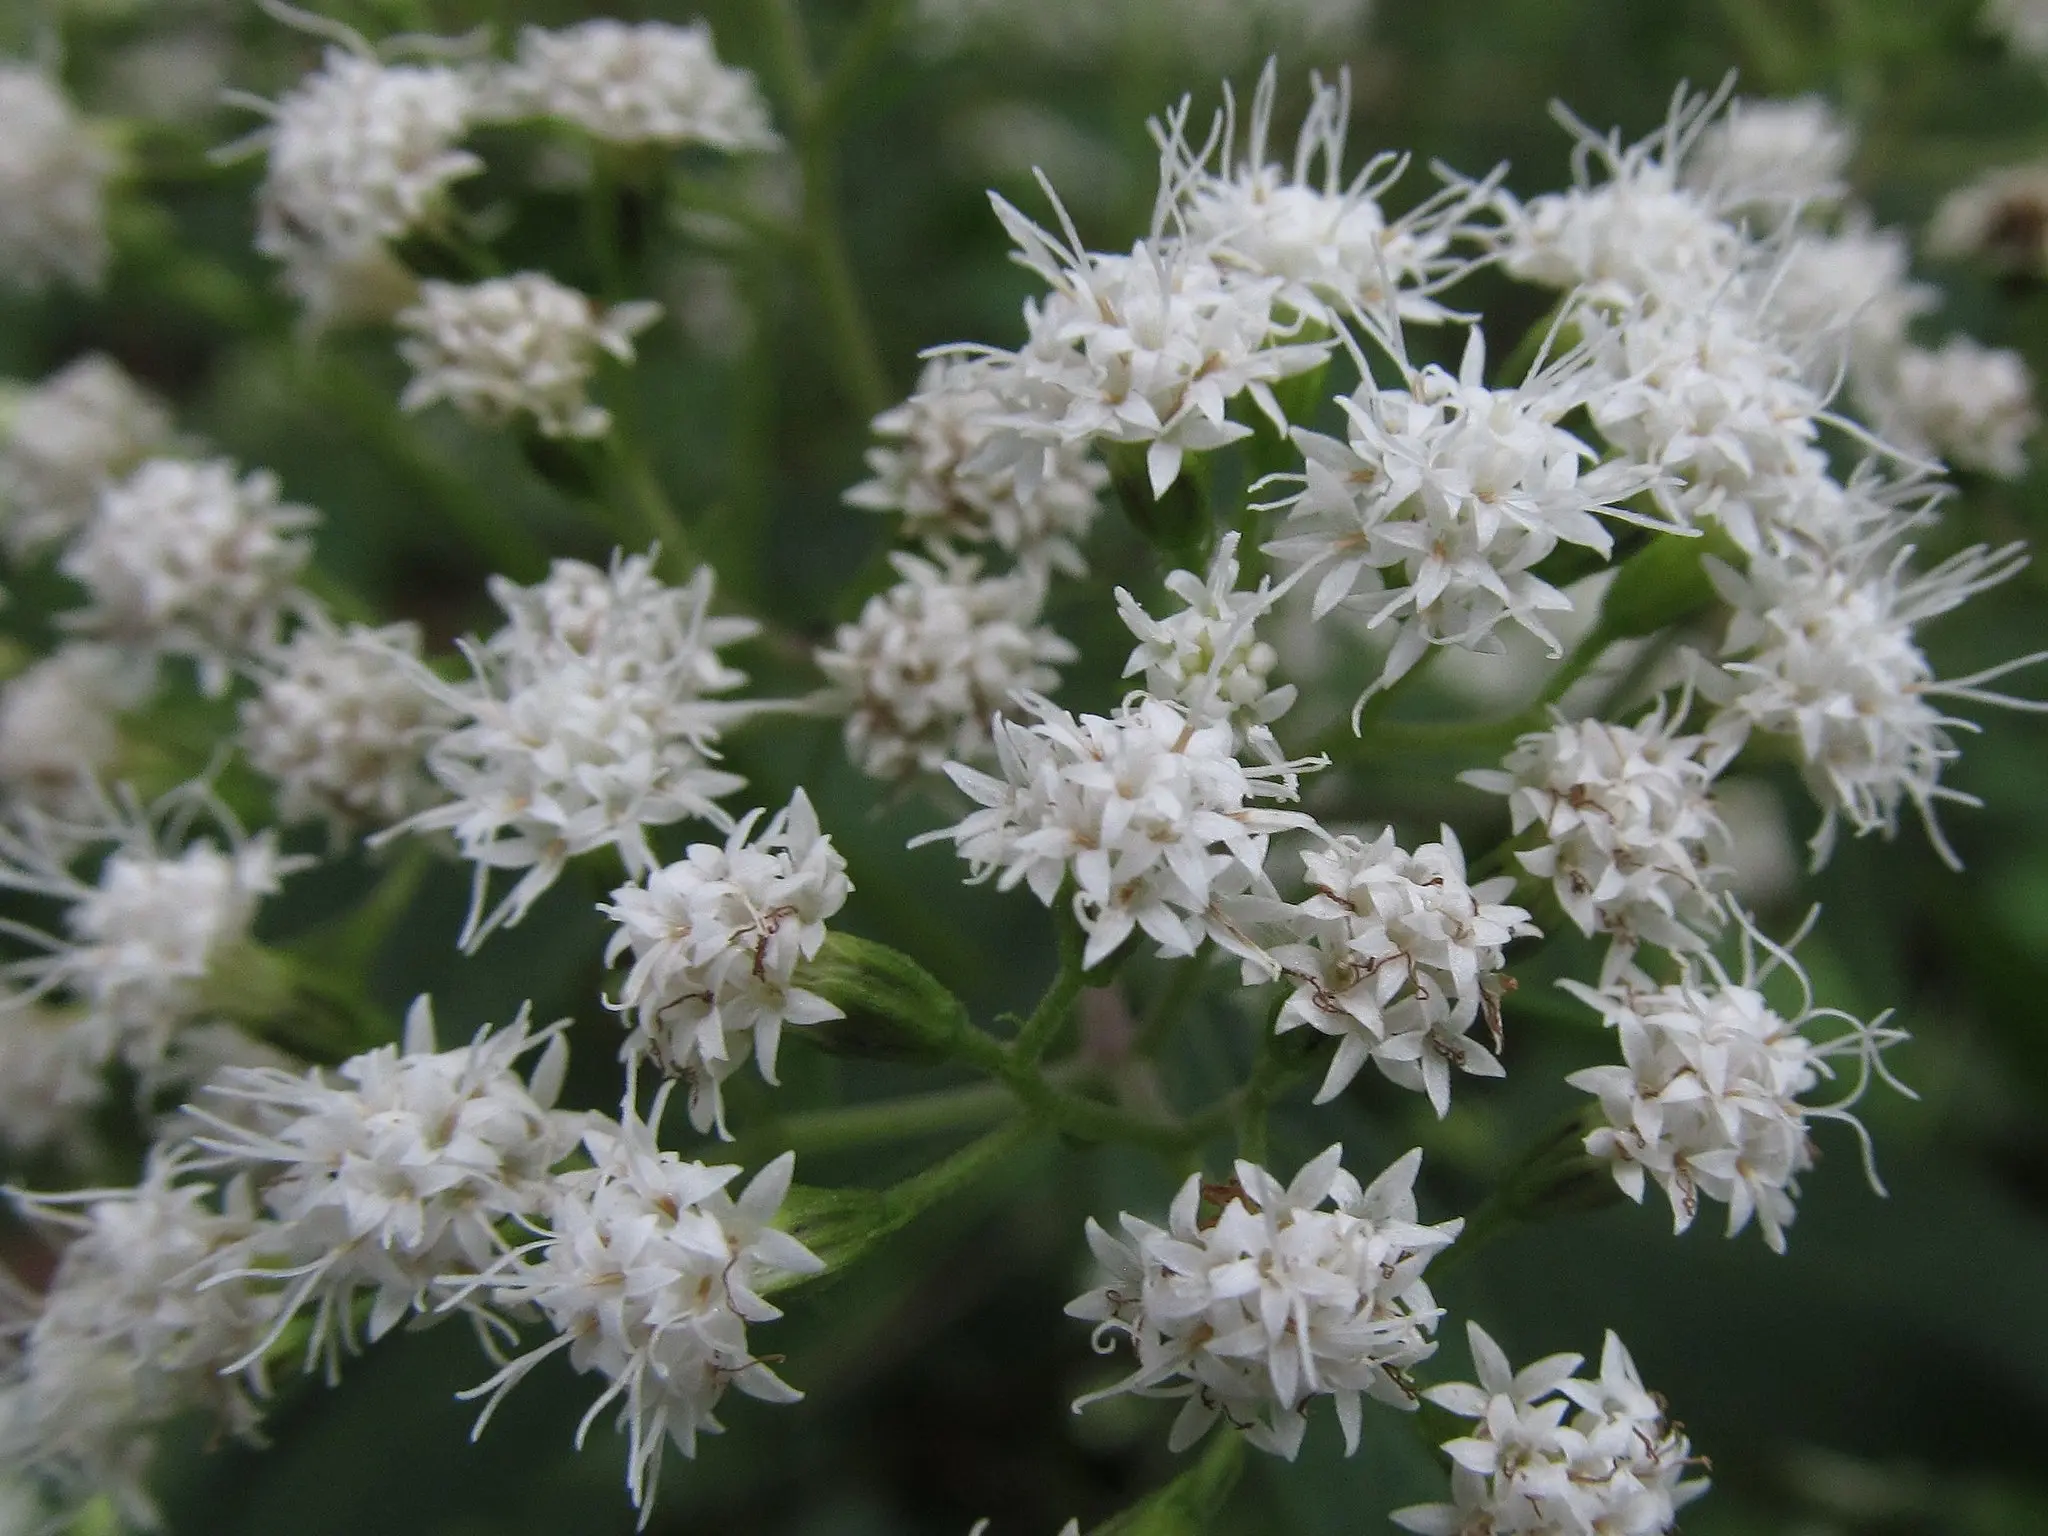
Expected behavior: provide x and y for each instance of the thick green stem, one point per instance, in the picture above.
(1554, 1177)
(1192, 1502)
(1057, 1005)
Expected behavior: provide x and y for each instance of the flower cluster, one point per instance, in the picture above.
(60, 724)
(650, 83)
(80, 430)
(53, 175)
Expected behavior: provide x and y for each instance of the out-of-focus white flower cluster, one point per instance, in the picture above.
(53, 175)
(82, 429)
(645, 83)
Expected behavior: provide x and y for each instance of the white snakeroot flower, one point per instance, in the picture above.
(164, 918)
(1553, 1454)
(2001, 217)
(715, 940)
(650, 83)
(1430, 514)
(142, 1324)
(1772, 159)
(53, 176)
(191, 560)
(1400, 958)
(1208, 657)
(1328, 238)
(1146, 811)
(516, 346)
(1968, 402)
(650, 1273)
(932, 660)
(65, 441)
(1843, 300)
(587, 720)
(1821, 649)
(1709, 1099)
(950, 463)
(340, 724)
(1149, 349)
(60, 723)
(1272, 1300)
(1630, 833)
(50, 1083)
(394, 1170)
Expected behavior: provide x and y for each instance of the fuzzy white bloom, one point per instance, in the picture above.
(191, 560)
(1708, 1100)
(1272, 1300)
(67, 439)
(1824, 653)
(932, 660)
(50, 1083)
(1770, 159)
(53, 176)
(392, 1171)
(1148, 350)
(1208, 657)
(516, 346)
(1400, 958)
(650, 83)
(2022, 23)
(1630, 835)
(1328, 238)
(949, 463)
(340, 724)
(143, 1323)
(715, 939)
(2001, 217)
(60, 723)
(164, 919)
(1430, 514)
(1553, 1454)
(587, 720)
(1968, 402)
(1146, 811)
(650, 1274)
(1844, 300)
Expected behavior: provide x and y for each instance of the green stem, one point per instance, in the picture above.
(891, 1120)
(1057, 1004)
(1192, 1502)
(1553, 1177)
(1172, 1004)
(871, 36)
(641, 503)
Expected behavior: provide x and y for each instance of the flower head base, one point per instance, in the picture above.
(587, 720)
(934, 659)
(395, 1170)
(1708, 1101)
(1146, 811)
(716, 939)
(952, 463)
(1400, 959)
(189, 560)
(83, 428)
(650, 83)
(650, 1274)
(53, 175)
(1552, 1454)
(516, 346)
(1273, 1300)
(1628, 826)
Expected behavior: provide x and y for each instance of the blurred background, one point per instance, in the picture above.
(1889, 1376)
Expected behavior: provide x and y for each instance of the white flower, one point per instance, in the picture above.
(1628, 826)
(715, 939)
(1145, 810)
(190, 560)
(1708, 1101)
(143, 1323)
(1400, 961)
(932, 660)
(60, 723)
(516, 346)
(340, 724)
(1148, 349)
(1272, 1300)
(1444, 494)
(394, 1170)
(950, 463)
(649, 83)
(163, 919)
(1552, 1454)
(2022, 23)
(1843, 299)
(1328, 238)
(1824, 653)
(50, 1082)
(1208, 657)
(1771, 159)
(2001, 217)
(649, 1272)
(586, 722)
(1971, 403)
(82, 428)
(53, 176)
